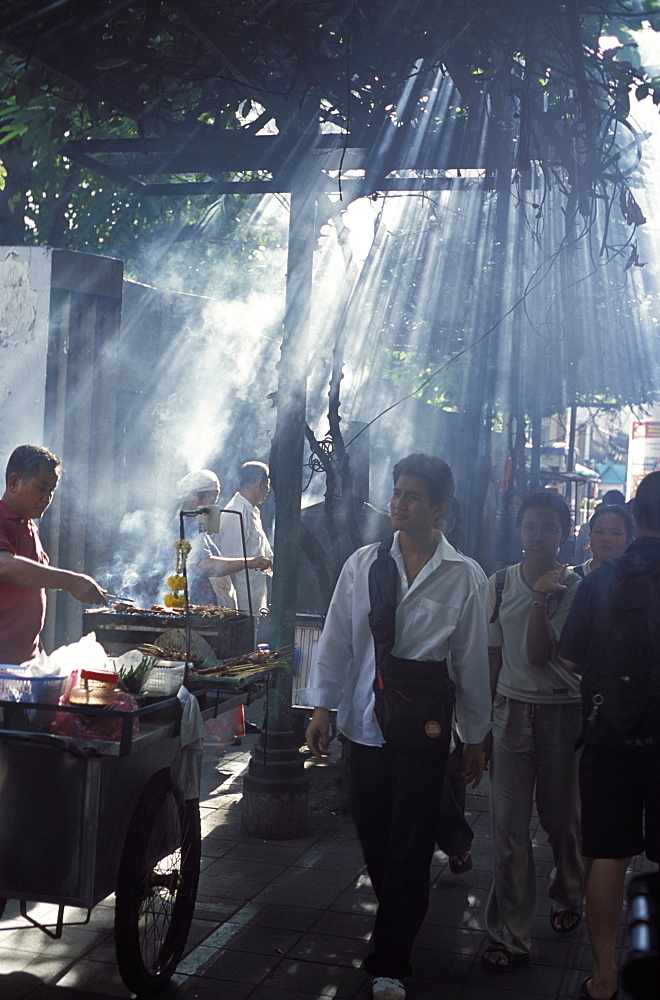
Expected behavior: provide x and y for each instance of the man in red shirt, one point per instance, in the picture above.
(31, 478)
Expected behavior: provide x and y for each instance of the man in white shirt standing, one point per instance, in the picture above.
(253, 488)
(396, 791)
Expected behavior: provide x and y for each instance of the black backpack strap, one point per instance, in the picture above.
(383, 593)
(500, 580)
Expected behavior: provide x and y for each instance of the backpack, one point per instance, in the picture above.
(500, 580)
(621, 684)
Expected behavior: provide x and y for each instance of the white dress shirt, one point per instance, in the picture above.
(256, 544)
(440, 613)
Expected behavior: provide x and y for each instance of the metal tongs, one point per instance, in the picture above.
(121, 601)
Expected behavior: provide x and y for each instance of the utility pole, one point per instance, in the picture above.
(275, 787)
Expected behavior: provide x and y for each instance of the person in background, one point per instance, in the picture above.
(253, 488)
(611, 530)
(582, 544)
(206, 563)
(619, 784)
(206, 566)
(536, 721)
(31, 478)
(507, 545)
(455, 835)
(395, 791)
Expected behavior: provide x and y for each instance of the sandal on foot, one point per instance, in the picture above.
(494, 965)
(584, 993)
(559, 926)
(459, 864)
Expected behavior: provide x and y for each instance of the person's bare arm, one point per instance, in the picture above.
(474, 763)
(577, 667)
(27, 573)
(541, 641)
(223, 566)
(317, 733)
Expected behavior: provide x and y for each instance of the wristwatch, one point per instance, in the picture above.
(539, 604)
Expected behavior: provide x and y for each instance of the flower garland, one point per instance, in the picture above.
(177, 582)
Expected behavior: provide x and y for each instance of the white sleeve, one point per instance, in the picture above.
(229, 536)
(334, 652)
(469, 662)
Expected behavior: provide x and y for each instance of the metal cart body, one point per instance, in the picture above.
(64, 817)
(80, 820)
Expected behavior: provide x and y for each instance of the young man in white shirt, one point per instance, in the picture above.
(396, 791)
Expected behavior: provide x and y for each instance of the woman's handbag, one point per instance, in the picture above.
(414, 699)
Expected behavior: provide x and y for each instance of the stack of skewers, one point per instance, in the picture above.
(240, 669)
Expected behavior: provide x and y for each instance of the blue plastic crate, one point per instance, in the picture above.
(16, 686)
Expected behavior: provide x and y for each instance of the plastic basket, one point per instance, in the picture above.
(23, 689)
(165, 680)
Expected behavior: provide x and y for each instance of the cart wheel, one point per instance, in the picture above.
(156, 886)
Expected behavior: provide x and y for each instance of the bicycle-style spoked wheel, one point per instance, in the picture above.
(156, 886)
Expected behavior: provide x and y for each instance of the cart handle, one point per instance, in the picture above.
(48, 740)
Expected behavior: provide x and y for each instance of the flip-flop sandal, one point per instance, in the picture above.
(584, 993)
(460, 864)
(559, 927)
(492, 965)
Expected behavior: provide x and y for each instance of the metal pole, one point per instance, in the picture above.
(275, 788)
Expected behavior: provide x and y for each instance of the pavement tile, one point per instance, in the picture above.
(197, 988)
(460, 940)
(527, 979)
(238, 966)
(354, 902)
(441, 966)
(470, 918)
(429, 989)
(269, 993)
(46, 968)
(299, 887)
(327, 859)
(95, 979)
(211, 909)
(493, 993)
(264, 940)
(212, 848)
(316, 978)
(251, 871)
(267, 850)
(17, 985)
(348, 925)
(294, 918)
(74, 943)
(334, 950)
(565, 954)
(475, 878)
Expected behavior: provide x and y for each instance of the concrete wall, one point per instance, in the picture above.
(60, 315)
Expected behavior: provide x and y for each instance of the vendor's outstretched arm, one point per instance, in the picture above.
(223, 566)
(27, 573)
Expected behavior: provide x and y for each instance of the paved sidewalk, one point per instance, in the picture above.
(290, 920)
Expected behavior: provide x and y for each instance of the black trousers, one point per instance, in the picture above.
(396, 797)
(454, 834)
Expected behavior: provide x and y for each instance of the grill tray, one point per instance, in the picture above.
(126, 629)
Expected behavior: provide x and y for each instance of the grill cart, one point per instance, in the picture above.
(80, 820)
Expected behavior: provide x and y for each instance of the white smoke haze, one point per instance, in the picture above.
(462, 279)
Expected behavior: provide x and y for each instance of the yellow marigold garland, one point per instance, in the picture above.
(177, 582)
